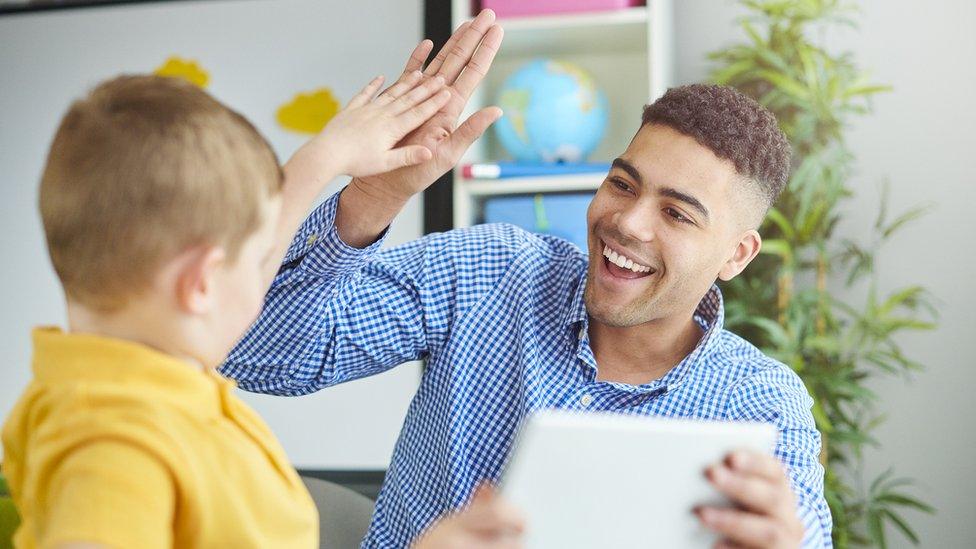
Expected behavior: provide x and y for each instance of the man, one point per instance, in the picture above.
(511, 322)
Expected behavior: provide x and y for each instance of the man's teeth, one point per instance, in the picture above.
(624, 262)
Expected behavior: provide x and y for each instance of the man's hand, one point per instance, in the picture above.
(462, 63)
(487, 523)
(766, 515)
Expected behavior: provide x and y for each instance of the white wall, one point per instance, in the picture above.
(259, 54)
(921, 139)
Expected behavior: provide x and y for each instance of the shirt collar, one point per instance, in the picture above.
(710, 316)
(71, 358)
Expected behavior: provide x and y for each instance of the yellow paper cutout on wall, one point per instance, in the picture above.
(309, 112)
(187, 69)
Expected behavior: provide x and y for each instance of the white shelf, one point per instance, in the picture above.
(565, 21)
(532, 185)
(586, 33)
(629, 54)
(468, 193)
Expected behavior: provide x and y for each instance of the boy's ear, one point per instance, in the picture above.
(745, 251)
(195, 279)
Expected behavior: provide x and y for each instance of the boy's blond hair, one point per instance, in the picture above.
(141, 169)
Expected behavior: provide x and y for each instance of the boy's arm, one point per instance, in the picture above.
(363, 139)
(107, 494)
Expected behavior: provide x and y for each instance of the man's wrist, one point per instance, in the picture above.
(363, 214)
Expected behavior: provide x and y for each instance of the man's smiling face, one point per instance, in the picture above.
(680, 217)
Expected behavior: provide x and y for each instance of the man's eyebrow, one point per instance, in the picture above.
(622, 164)
(687, 199)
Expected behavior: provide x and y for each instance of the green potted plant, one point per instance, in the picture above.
(788, 302)
(9, 520)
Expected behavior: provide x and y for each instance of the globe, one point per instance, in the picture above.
(553, 113)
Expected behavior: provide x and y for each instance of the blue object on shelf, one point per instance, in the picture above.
(503, 170)
(562, 215)
(553, 112)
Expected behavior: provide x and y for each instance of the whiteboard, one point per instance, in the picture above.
(259, 54)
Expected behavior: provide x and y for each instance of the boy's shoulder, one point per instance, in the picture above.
(66, 415)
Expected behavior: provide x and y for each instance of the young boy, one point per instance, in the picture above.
(166, 215)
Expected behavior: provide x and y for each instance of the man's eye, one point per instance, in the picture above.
(620, 184)
(677, 215)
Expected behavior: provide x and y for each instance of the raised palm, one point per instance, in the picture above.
(462, 62)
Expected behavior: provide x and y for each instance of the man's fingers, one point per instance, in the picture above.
(758, 464)
(491, 516)
(409, 155)
(743, 528)
(461, 51)
(418, 56)
(365, 94)
(480, 62)
(438, 60)
(752, 492)
(402, 86)
(470, 130)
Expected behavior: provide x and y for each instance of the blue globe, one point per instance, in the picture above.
(553, 112)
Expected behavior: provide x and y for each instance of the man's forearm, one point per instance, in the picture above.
(305, 176)
(364, 215)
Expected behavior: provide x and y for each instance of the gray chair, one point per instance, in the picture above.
(344, 515)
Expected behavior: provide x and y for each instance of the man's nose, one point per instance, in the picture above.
(637, 222)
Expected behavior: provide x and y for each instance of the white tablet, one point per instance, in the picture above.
(589, 480)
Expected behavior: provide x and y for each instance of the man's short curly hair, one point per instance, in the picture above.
(733, 126)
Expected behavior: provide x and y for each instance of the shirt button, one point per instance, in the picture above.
(312, 238)
(586, 400)
(582, 333)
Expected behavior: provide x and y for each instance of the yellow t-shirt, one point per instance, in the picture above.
(115, 443)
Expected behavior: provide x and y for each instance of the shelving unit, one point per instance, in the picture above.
(629, 54)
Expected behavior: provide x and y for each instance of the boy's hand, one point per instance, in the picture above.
(488, 522)
(369, 204)
(766, 514)
(362, 139)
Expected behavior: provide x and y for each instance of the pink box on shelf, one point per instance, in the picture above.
(518, 8)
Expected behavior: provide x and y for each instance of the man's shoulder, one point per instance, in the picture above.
(755, 380)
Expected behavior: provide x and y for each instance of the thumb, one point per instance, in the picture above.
(471, 130)
(409, 155)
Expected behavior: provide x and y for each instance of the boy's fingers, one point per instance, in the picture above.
(366, 93)
(418, 94)
(405, 84)
(418, 115)
(480, 62)
(438, 60)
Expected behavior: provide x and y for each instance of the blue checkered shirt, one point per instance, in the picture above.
(498, 314)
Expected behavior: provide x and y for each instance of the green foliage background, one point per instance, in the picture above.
(787, 302)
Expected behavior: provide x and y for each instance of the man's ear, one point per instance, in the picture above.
(745, 251)
(195, 278)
